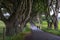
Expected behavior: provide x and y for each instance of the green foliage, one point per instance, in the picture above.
(2, 24)
(40, 5)
(44, 25)
(8, 38)
(52, 31)
(19, 36)
(27, 29)
(43, 18)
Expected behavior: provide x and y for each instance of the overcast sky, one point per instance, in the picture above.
(51, 13)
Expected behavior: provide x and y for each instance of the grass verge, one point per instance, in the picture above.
(52, 31)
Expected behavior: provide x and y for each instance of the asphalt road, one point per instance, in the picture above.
(37, 34)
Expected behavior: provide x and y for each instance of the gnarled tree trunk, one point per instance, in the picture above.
(10, 30)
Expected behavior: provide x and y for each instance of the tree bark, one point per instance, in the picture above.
(10, 30)
(55, 22)
(50, 25)
(55, 10)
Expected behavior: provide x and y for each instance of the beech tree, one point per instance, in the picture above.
(53, 5)
(15, 14)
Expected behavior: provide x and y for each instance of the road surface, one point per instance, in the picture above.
(37, 34)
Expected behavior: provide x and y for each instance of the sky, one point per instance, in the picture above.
(51, 13)
(59, 15)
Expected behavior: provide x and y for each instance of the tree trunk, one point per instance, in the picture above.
(50, 25)
(10, 30)
(12, 24)
(55, 22)
(48, 16)
(55, 10)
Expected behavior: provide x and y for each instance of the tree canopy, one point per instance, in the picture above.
(20, 11)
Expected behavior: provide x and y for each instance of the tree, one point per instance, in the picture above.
(19, 11)
(54, 5)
